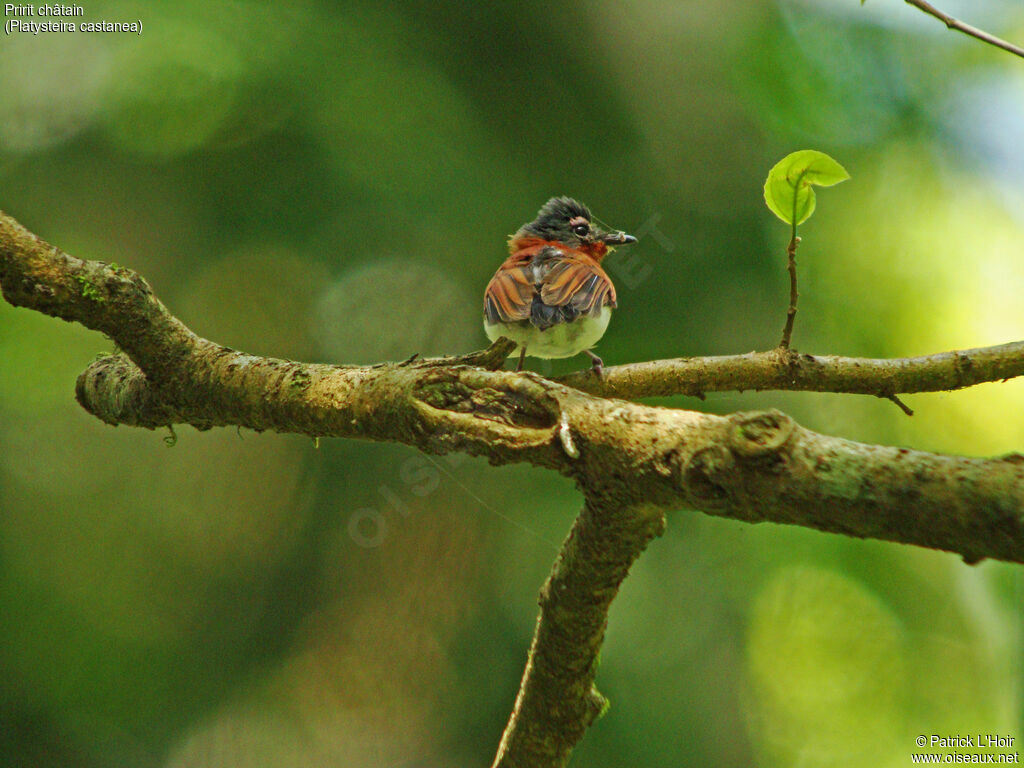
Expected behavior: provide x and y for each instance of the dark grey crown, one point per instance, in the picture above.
(553, 218)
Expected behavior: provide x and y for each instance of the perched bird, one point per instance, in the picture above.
(550, 295)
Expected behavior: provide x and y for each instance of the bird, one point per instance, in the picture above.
(551, 295)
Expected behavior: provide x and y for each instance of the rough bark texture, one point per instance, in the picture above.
(557, 699)
(632, 462)
(786, 369)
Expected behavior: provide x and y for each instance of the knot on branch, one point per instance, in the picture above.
(515, 400)
(755, 435)
(114, 390)
(754, 440)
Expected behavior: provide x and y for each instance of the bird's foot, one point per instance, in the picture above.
(522, 357)
(597, 364)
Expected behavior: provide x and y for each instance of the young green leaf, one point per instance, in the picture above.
(788, 192)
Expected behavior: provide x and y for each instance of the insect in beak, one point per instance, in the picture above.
(617, 238)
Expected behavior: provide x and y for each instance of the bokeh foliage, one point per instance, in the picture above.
(334, 182)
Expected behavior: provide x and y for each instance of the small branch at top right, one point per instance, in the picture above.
(967, 29)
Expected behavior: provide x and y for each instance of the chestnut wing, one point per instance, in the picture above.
(509, 295)
(579, 283)
(554, 286)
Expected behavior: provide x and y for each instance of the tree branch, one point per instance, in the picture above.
(557, 699)
(632, 462)
(967, 29)
(788, 370)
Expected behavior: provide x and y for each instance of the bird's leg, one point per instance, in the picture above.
(597, 365)
(522, 357)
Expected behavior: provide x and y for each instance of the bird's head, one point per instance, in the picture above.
(568, 221)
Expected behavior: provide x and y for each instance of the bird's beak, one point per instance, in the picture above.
(617, 238)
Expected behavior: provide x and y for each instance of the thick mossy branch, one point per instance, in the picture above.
(557, 699)
(632, 462)
(661, 457)
(765, 464)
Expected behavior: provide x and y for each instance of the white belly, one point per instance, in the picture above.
(561, 340)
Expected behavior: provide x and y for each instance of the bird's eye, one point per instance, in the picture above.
(581, 230)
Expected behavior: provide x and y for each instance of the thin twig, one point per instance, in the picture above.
(902, 406)
(967, 29)
(787, 332)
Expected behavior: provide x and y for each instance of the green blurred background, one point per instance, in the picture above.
(334, 182)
